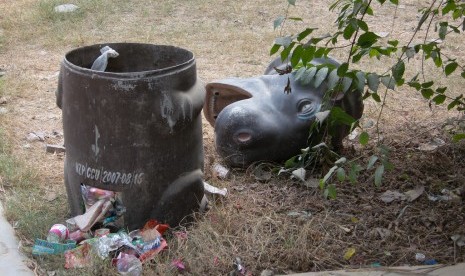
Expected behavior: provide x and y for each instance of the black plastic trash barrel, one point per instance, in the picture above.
(134, 128)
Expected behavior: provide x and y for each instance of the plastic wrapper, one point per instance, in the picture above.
(214, 190)
(100, 64)
(152, 253)
(78, 257)
(102, 232)
(153, 224)
(179, 264)
(151, 245)
(128, 265)
(94, 214)
(90, 195)
(78, 236)
(112, 242)
(42, 247)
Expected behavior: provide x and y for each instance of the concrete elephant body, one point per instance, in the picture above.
(255, 120)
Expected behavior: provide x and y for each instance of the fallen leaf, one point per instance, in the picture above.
(415, 193)
(349, 253)
(389, 196)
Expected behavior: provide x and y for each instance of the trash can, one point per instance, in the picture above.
(134, 128)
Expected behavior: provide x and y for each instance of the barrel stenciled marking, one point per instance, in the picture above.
(109, 177)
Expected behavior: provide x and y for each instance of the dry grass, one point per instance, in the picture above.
(230, 38)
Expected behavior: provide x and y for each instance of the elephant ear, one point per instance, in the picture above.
(222, 93)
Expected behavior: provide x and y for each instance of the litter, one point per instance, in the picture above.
(430, 262)
(299, 174)
(98, 235)
(459, 240)
(129, 265)
(447, 195)
(102, 232)
(239, 268)
(79, 236)
(43, 247)
(420, 257)
(179, 264)
(100, 64)
(88, 219)
(58, 233)
(78, 257)
(220, 171)
(54, 148)
(90, 195)
(214, 190)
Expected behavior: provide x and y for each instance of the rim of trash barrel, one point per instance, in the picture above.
(130, 75)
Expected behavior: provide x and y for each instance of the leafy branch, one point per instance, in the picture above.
(300, 49)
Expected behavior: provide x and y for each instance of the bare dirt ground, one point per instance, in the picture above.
(280, 224)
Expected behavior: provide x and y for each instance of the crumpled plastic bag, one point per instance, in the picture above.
(112, 242)
(78, 257)
(100, 64)
(128, 265)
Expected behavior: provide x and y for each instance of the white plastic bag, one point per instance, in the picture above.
(100, 64)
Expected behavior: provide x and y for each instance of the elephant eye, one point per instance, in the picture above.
(304, 106)
(305, 109)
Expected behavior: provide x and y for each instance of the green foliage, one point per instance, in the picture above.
(379, 175)
(458, 137)
(363, 43)
(363, 138)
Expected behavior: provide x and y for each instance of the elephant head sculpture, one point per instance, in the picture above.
(255, 120)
